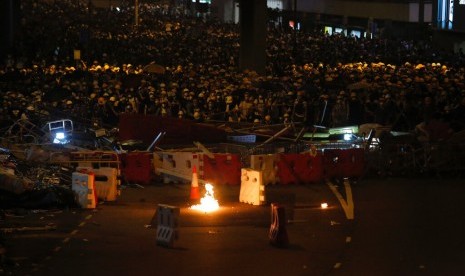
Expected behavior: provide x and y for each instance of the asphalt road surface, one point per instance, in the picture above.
(372, 227)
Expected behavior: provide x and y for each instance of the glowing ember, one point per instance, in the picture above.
(324, 205)
(208, 203)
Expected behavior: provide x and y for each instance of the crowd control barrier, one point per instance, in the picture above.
(267, 163)
(300, 168)
(344, 162)
(137, 167)
(90, 160)
(167, 224)
(83, 186)
(222, 169)
(176, 166)
(252, 188)
(106, 182)
(283, 168)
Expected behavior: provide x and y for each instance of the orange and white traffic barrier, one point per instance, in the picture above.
(252, 188)
(278, 233)
(167, 224)
(83, 186)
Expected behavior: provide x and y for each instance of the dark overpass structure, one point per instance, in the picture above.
(9, 27)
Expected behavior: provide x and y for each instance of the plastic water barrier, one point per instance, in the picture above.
(268, 164)
(83, 187)
(106, 182)
(300, 168)
(167, 224)
(344, 162)
(224, 168)
(252, 188)
(176, 166)
(137, 167)
(282, 168)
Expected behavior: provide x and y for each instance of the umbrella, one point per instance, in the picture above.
(154, 68)
(359, 85)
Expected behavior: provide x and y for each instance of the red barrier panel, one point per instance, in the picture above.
(332, 163)
(354, 162)
(223, 169)
(300, 168)
(344, 162)
(137, 167)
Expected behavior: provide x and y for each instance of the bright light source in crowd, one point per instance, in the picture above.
(324, 205)
(347, 136)
(118, 9)
(208, 203)
(60, 138)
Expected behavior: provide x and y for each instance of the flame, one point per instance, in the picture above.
(208, 203)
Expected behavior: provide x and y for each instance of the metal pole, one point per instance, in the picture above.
(274, 137)
(295, 32)
(11, 28)
(324, 111)
(136, 13)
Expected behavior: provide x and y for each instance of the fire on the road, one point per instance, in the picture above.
(208, 203)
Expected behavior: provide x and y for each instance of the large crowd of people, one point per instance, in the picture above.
(179, 65)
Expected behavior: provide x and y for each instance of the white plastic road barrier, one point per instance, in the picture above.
(267, 163)
(252, 189)
(176, 166)
(83, 186)
(106, 182)
(167, 224)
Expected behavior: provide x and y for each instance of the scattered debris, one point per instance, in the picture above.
(28, 229)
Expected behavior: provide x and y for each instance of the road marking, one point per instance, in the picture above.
(348, 203)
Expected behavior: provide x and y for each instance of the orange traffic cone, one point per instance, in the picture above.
(195, 193)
